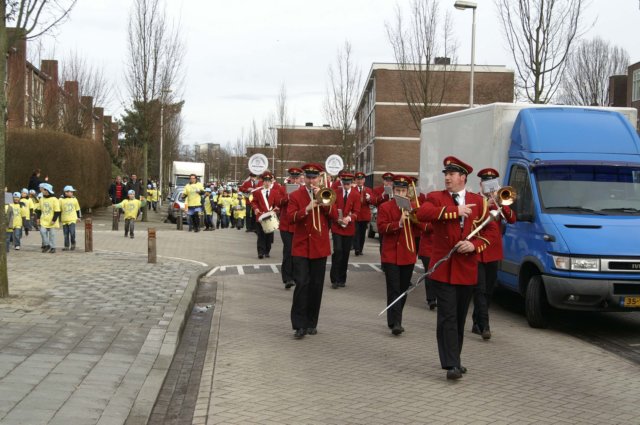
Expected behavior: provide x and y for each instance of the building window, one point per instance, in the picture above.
(635, 94)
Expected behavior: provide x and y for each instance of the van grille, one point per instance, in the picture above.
(621, 265)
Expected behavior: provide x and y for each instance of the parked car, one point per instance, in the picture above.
(175, 204)
(373, 224)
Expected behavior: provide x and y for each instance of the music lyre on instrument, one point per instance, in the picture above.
(405, 205)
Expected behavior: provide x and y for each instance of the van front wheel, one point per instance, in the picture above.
(536, 304)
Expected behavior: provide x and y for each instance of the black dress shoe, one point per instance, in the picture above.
(454, 373)
(260, 256)
(476, 330)
(342, 285)
(300, 333)
(397, 329)
(312, 331)
(432, 304)
(266, 255)
(463, 369)
(289, 284)
(334, 286)
(486, 334)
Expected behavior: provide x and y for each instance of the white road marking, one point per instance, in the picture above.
(200, 263)
(224, 268)
(274, 268)
(212, 271)
(376, 268)
(240, 270)
(356, 265)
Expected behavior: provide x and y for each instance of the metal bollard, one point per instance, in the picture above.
(179, 221)
(88, 234)
(116, 216)
(151, 238)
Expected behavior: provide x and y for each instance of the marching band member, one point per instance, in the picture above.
(286, 229)
(489, 259)
(398, 254)
(249, 185)
(264, 200)
(379, 191)
(454, 213)
(367, 198)
(342, 230)
(310, 249)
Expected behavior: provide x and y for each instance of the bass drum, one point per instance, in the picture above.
(269, 222)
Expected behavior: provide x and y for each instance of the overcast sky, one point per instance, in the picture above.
(240, 52)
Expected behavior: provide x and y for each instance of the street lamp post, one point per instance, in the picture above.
(160, 174)
(463, 5)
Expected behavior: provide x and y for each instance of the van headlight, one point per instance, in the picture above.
(578, 264)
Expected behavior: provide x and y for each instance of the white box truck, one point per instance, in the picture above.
(181, 170)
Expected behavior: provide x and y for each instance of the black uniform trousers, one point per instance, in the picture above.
(453, 305)
(428, 283)
(340, 258)
(307, 296)
(398, 279)
(287, 262)
(250, 218)
(482, 293)
(264, 240)
(360, 236)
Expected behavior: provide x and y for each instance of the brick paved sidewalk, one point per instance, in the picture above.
(355, 372)
(85, 335)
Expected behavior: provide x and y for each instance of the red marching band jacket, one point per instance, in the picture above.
(494, 251)
(426, 233)
(380, 195)
(249, 185)
(260, 205)
(365, 210)
(396, 248)
(352, 209)
(440, 210)
(309, 241)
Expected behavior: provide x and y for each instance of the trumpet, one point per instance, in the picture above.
(505, 195)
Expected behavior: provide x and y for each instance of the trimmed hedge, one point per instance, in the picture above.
(66, 159)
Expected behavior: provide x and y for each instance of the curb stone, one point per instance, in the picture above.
(146, 398)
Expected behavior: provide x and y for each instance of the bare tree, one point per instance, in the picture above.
(154, 67)
(589, 66)
(281, 120)
(340, 101)
(540, 34)
(31, 18)
(91, 79)
(417, 40)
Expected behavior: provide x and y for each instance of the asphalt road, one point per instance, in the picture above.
(618, 333)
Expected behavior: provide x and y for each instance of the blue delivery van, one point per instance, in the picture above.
(576, 172)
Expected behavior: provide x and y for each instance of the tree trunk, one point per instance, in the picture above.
(4, 277)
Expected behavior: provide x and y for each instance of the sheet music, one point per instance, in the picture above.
(403, 203)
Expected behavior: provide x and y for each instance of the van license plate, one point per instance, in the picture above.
(632, 302)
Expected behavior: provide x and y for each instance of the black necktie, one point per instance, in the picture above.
(346, 195)
(455, 196)
(267, 193)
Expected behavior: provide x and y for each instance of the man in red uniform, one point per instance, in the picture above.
(489, 258)
(310, 249)
(367, 198)
(247, 187)
(264, 200)
(342, 230)
(454, 213)
(382, 194)
(398, 255)
(286, 229)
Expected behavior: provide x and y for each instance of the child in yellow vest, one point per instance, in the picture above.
(239, 211)
(48, 213)
(208, 210)
(33, 198)
(131, 207)
(27, 207)
(152, 194)
(8, 225)
(70, 216)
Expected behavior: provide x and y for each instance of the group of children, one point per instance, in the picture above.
(44, 212)
(230, 210)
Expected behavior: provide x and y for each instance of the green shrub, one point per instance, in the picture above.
(66, 159)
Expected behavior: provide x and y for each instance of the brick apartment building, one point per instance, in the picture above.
(624, 90)
(297, 145)
(386, 137)
(35, 99)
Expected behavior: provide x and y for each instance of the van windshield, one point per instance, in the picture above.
(589, 189)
